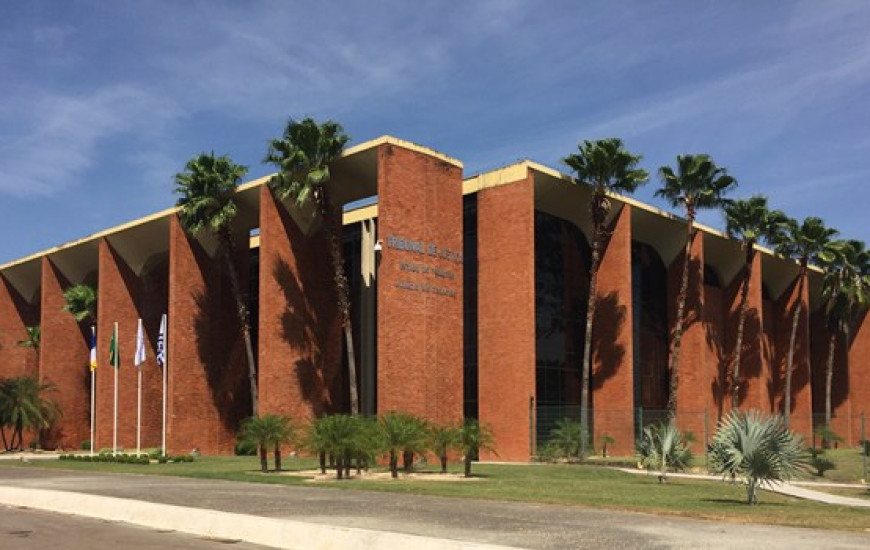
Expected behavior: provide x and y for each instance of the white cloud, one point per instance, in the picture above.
(57, 137)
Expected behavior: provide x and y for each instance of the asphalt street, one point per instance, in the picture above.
(27, 529)
(537, 526)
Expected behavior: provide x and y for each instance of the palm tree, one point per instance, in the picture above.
(207, 189)
(270, 430)
(750, 222)
(23, 405)
(303, 155)
(807, 242)
(845, 288)
(441, 440)
(605, 167)
(664, 447)
(758, 446)
(697, 183)
(401, 433)
(473, 438)
(34, 335)
(81, 302)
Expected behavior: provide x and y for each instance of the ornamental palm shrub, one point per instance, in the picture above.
(336, 435)
(24, 405)
(757, 446)
(565, 439)
(664, 447)
(473, 438)
(264, 432)
(441, 440)
(401, 433)
(81, 301)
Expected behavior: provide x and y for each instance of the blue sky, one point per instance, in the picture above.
(103, 102)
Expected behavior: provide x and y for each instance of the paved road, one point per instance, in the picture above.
(522, 525)
(36, 530)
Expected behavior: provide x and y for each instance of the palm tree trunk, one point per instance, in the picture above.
(741, 323)
(467, 464)
(278, 457)
(322, 457)
(678, 327)
(829, 376)
(242, 312)
(587, 343)
(408, 461)
(342, 292)
(3, 435)
(264, 461)
(443, 458)
(792, 340)
(339, 467)
(394, 464)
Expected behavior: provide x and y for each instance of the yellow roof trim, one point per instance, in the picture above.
(390, 140)
(367, 212)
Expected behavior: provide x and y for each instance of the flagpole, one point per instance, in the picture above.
(139, 412)
(115, 416)
(162, 353)
(138, 360)
(91, 367)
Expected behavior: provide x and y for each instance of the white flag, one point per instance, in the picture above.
(139, 358)
(161, 342)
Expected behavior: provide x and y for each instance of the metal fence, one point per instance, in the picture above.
(622, 428)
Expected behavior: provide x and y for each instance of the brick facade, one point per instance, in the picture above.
(209, 393)
(506, 312)
(300, 351)
(419, 337)
(15, 315)
(63, 362)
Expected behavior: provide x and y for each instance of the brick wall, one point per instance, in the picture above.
(506, 314)
(419, 332)
(612, 379)
(124, 298)
(209, 393)
(63, 360)
(15, 315)
(300, 351)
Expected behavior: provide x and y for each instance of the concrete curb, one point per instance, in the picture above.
(274, 532)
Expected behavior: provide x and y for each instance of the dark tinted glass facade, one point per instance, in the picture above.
(561, 290)
(650, 328)
(469, 310)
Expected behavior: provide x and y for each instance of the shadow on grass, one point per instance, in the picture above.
(742, 503)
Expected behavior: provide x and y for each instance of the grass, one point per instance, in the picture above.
(580, 485)
(849, 469)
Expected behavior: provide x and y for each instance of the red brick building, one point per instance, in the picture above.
(468, 301)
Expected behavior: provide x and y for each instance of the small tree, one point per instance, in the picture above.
(664, 447)
(757, 446)
(24, 405)
(401, 433)
(473, 438)
(441, 440)
(336, 435)
(264, 432)
(606, 440)
(34, 336)
(81, 302)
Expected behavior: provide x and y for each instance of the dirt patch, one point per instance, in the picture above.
(374, 475)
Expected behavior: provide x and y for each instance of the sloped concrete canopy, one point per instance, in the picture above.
(25, 277)
(725, 256)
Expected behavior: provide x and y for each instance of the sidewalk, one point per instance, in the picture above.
(796, 489)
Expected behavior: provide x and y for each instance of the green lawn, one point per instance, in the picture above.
(581, 485)
(850, 467)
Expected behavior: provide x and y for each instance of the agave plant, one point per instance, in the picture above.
(756, 446)
(664, 447)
